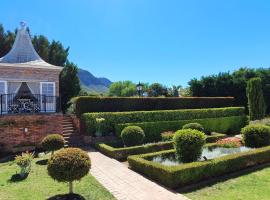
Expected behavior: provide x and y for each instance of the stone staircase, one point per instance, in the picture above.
(72, 138)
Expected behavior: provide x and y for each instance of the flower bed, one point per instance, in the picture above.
(184, 174)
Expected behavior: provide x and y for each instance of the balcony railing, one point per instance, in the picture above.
(34, 103)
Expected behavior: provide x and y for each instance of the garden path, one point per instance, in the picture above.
(126, 184)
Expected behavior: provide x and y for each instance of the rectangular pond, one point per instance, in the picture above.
(207, 154)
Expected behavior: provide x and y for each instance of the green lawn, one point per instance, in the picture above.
(39, 186)
(252, 186)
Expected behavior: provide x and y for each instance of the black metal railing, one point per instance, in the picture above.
(34, 103)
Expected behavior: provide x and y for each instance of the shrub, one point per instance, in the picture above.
(194, 125)
(256, 102)
(24, 162)
(123, 104)
(153, 130)
(182, 175)
(132, 135)
(167, 135)
(53, 142)
(68, 165)
(114, 118)
(100, 126)
(188, 144)
(256, 135)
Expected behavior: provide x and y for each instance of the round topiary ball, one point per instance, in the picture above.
(53, 142)
(188, 144)
(132, 135)
(68, 165)
(195, 126)
(256, 135)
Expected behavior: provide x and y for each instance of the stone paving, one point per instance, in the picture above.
(126, 184)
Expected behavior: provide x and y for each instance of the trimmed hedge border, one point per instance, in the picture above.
(114, 149)
(122, 104)
(114, 118)
(121, 154)
(153, 130)
(180, 175)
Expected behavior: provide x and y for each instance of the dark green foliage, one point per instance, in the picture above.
(194, 125)
(256, 105)
(117, 151)
(69, 164)
(53, 142)
(121, 104)
(156, 90)
(232, 84)
(188, 144)
(182, 175)
(69, 84)
(114, 118)
(132, 135)
(153, 130)
(256, 135)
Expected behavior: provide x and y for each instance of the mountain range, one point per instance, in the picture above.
(93, 84)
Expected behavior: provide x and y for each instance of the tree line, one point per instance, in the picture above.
(54, 53)
(128, 89)
(232, 84)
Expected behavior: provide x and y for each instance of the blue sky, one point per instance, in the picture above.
(167, 41)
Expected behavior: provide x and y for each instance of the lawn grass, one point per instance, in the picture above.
(39, 186)
(249, 186)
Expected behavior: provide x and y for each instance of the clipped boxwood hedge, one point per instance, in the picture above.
(114, 118)
(121, 153)
(153, 130)
(182, 175)
(115, 149)
(122, 104)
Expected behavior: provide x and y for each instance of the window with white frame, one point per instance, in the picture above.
(48, 90)
(3, 87)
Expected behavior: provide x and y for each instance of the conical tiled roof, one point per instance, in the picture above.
(23, 52)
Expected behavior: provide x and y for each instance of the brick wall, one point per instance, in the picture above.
(14, 138)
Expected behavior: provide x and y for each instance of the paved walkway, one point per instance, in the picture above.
(126, 184)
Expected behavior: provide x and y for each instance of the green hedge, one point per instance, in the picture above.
(209, 139)
(111, 150)
(121, 104)
(153, 130)
(182, 175)
(116, 150)
(114, 118)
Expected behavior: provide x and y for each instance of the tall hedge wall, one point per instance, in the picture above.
(153, 130)
(121, 104)
(114, 118)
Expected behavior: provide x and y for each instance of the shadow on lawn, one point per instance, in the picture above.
(67, 197)
(42, 162)
(220, 179)
(17, 177)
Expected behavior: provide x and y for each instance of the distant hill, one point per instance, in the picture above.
(93, 84)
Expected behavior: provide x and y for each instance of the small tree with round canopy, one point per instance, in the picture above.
(68, 165)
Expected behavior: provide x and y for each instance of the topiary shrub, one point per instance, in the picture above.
(195, 126)
(256, 135)
(167, 136)
(188, 144)
(256, 104)
(53, 142)
(68, 165)
(132, 135)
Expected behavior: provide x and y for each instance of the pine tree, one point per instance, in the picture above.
(255, 97)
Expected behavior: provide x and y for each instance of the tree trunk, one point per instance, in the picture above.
(70, 187)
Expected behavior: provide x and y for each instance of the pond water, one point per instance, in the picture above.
(209, 153)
